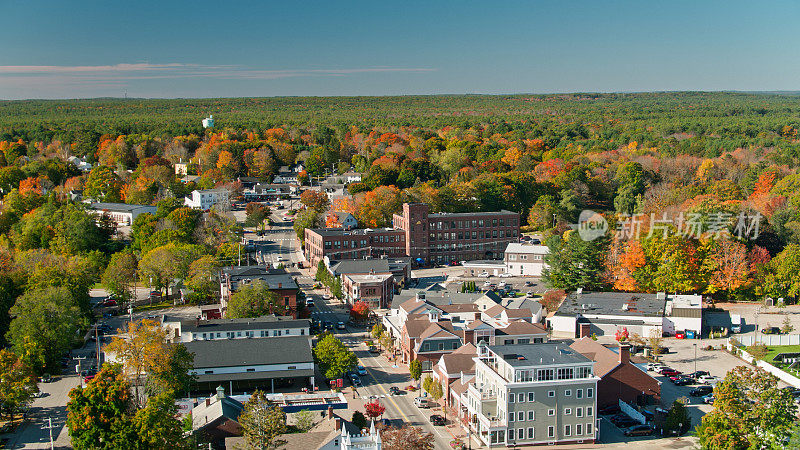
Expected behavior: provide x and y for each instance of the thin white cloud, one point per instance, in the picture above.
(138, 71)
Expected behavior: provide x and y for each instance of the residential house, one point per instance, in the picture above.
(340, 219)
(217, 417)
(451, 368)
(620, 379)
(280, 282)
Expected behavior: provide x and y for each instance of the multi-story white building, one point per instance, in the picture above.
(121, 214)
(525, 259)
(206, 198)
(531, 394)
(248, 328)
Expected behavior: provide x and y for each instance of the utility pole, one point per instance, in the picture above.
(97, 342)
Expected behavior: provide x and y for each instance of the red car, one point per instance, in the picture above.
(88, 378)
(671, 373)
(110, 302)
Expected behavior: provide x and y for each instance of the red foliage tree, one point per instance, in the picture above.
(360, 311)
(374, 409)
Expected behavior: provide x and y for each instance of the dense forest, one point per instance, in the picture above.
(676, 159)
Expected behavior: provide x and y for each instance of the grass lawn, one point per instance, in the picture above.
(773, 351)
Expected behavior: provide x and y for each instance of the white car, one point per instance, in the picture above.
(706, 379)
(502, 285)
(506, 275)
(654, 367)
(484, 274)
(487, 284)
(326, 296)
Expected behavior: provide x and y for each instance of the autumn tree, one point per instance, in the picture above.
(103, 185)
(729, 263)
(256, 214)
(575, 263)
(315, 200)
(262, 423)
(374, 409)
(202, 279)
(142, 349)
(360, 311)
(254, 299)
(120, 275)
(18, 382)
(304, 420)
(310, 218)
(415, 369)
(406, 438)
(734, 423)
(377, 207)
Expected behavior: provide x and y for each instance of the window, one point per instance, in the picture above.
(511, 434)
(204, 335)
(302, 331)
(511, 416)
(551, 412)
(521, 397)
(291, 368)
(250, 369)
(511, 399)
(567, 430)
(551, 393)
(551, 431)
(544, 374)
(589, 411)
(520, 416)
(589, 428)
(589, 392)
(568, 393)
(578, 413)
(530, 433)
(531, 415)
(578, 429)
(441, 346)
(530, 396)
(584, 372)
(567, 411)
(209, 372)
(565, 373)
(578, 393)
(238, 334)
(523, 341)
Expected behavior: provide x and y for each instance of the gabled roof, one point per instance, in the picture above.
(478, 323)
(461, 359)
(438, 330)
(517, 313)
(605, 359)
(521, 327)
(225, 407)
(459, 308)
(460, 388)
(415, 326)
(494, 311)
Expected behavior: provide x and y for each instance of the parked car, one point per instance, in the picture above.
(421, 402)
(361, 370)
(708, 399)
(394, 390)
(701, 391)
(771, 330)
(454, 263)
(683, 381)
(340, 326)
(310, 302)
(39, 394)
(530, 283)
(639, 430)
(110, 302)
(671, 372)
(487, 284)
(706, 379)
(624, 422)
(506, 275)
(373, 349)
(88, 378)
(655, 367)
(327, 325)
(46, 378)
(438, 420)
(483, 275)
(355, 380)
(697, 374)
(663, 369)
(610, 409)
(326, 296)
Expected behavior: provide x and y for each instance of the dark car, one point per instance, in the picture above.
(697, 374)
(610, 409)
(625, 422)
(683, 381)
(394, 390)
(639, 430)
(397, 423)
(700, 391)
(438, 420)
(327, 325)
(771, 330)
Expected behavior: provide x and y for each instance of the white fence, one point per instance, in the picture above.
(632, 412)
(783, 376)
(769, 339)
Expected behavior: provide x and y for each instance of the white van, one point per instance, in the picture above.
(421, 402)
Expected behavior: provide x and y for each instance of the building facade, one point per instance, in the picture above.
(525, 259)
(339, 244)
(205, 199)
(376, 290)
(533, 394)
(446, 237)
(281, 283)
(122, 214)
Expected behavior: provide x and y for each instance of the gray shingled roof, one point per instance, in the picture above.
(255, 323)
(249, 352)
(535, 354)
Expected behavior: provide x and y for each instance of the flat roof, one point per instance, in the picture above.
(441, 215)
(519, 247)
(120, 207)
(250, 352)
(546, 353)
(613, 304)
(265, 375)
(369, 278)
(255, 323)
(354, 232)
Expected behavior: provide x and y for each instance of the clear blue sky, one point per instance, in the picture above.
(172, 48)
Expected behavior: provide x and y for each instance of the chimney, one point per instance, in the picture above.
(330, 412)
(197, 321)
(337, 425)
(208, 402)
(280, 285)
(220, 392)
(624, 353)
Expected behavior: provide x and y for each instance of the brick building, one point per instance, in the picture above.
(376, 289)
(339, 244)
(438, 238)
(281, 283)
(446, 237)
